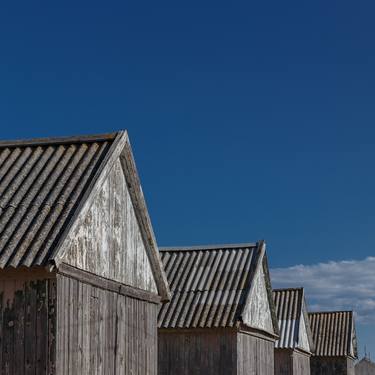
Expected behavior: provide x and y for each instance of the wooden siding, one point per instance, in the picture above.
(332, 366)
(107, 240)
(258, 313)
(291, 362)
(27, 325)
(198, 352)
(101, 332)
(255, 355)
(214, 352)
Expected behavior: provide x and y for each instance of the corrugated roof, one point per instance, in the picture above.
(209, 285)
(41, 182)
(290, 309)
(333, 333)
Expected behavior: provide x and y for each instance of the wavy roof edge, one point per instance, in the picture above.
(210, 247)
(44, 141)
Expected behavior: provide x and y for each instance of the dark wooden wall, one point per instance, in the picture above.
(214, 352)
(283, 362)
(198, 352)
(100, 332)
(255, 355)
(27, 326)
(332, 366)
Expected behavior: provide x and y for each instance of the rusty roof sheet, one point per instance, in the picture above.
(334, 333)
(41, 183)
(209, 285)
(290, 308)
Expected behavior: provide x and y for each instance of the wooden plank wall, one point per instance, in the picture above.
(100, 332)
(27, 326)
(331, 366)
(301, 363)
(284, 362)
(255, 355)
(211, 352)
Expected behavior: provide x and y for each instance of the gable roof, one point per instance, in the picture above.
(210, 284)
(44, 185)
(334, 333)
(291, 309)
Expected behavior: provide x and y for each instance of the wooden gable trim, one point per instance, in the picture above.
(261, 261)
(107, 284)
(144, 222)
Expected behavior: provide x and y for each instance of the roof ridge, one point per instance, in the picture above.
(59, 140)
(300, 288)
(209, 247)
(331, 312)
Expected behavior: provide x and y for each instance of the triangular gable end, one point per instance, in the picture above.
(303, 339)
(257, 313)
(112, 235)
(353, 341)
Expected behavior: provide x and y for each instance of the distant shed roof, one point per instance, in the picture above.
(41, 182)
(291, 310)
(334, 333)
(209, 284)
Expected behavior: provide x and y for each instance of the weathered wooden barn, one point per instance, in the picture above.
(335, 343)
(221, 318)
(365, 367)
(295, 345)
(80, 273)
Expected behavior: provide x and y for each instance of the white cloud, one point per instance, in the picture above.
(344, 285)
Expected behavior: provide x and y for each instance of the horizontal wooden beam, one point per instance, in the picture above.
(106, 284)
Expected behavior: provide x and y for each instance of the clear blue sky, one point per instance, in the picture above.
(248, 120)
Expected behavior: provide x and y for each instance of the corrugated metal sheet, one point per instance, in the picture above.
(333, 333)
(208, 285)
(41, 183)
(288, 305)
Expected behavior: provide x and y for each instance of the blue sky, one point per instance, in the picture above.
(248, 120)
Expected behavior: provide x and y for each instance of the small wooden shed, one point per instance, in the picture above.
(80, 274)
(365, 367)
(335, 343)
(221, 318)
(295, 345)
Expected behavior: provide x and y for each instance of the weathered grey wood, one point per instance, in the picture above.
(120, 332)
(116, 249)
(107, 284)
(291, 362)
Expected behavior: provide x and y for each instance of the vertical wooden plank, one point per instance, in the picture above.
(2, 306)
(79, 327)
(19, 328)
(41, 326)
(94, 332)
(8, 330)
(30, 327)
(86, 369)
(52, 320)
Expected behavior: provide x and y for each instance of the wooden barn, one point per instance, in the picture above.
(80, 273)
(221, 317)
(365, 367)
(295, 345)
(335, 343)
